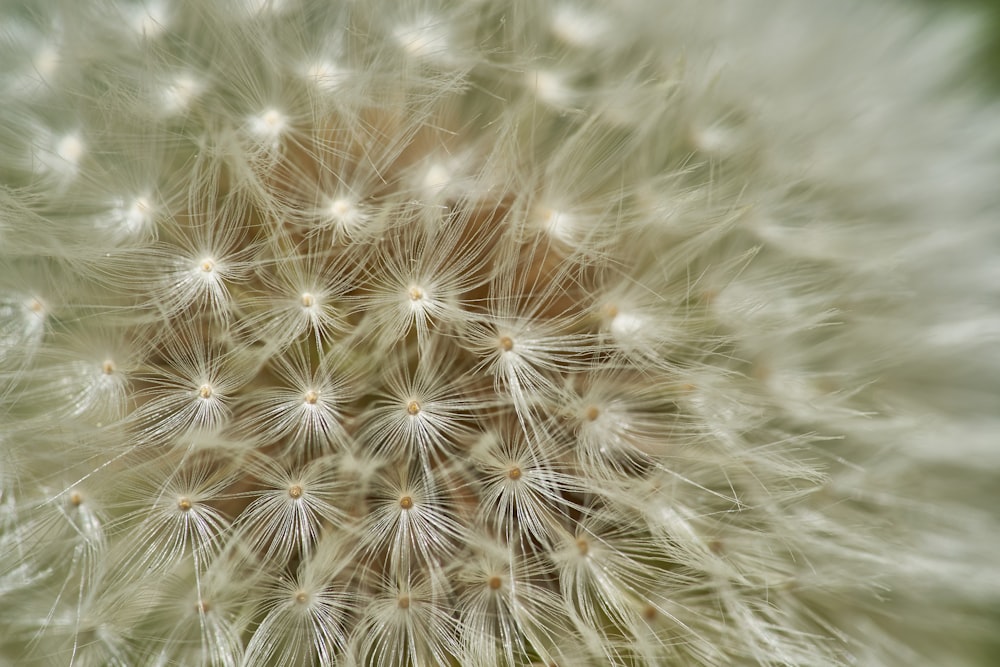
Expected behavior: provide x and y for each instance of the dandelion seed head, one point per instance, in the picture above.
(495, 333)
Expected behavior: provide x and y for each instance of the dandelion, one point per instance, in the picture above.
(496, 333)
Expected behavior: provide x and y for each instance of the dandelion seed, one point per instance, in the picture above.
(180, 94)
(326, 75)
(132, 217)
(551, 87)
(577, 27)
(305, 620)
(149, 19)
(418, 415)
(427, 37)
(346, 215)
(268, 128)
(290, 509)
(410, 524)
(305, 411)
(408, 625)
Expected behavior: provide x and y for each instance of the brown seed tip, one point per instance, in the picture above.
(207, 265)
(301, 597)
(583, 546)
(649, 612)
(406, 502)
(184, 503)
(203, 606)
(311, 397)
(592, 413)
(205, 391)
(413, 407)
(404, 601)
(75, 498)
(308, 300)
(494, 582)
(506, 343)
(108, 367)
(416, 294)
(295, 491)
(514, 473)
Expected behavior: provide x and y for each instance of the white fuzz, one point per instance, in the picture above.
(326, 75)
(268, 126)
(180, 93)
(149, 18)
(424, 37)
(175, 520)
(22, 323)
(131, 217)
(418, 282)
(59, 156)
(499, 333)
(577, 26)
(524, 497)
(551, 87)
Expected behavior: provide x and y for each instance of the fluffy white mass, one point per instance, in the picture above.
(497, 333)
